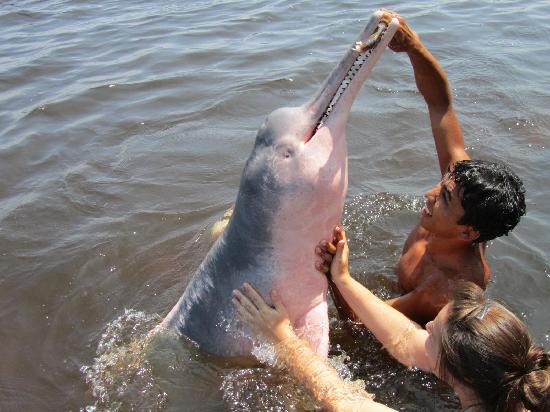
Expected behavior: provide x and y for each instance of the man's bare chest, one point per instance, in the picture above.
(418, 266)
(414, 265)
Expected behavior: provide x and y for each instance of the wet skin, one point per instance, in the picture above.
(437, 252)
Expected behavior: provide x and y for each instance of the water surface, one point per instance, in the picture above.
(124, 128)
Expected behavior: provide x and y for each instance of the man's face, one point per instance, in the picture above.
(443, 210)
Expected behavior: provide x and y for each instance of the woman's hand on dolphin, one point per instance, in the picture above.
(334, 255)
(252, 310)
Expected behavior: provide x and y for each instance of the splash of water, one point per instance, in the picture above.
(364, 210)
(272, 388)
(121, 377)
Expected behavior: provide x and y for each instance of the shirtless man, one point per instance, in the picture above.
(474, 202)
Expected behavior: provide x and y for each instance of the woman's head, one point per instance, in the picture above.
(487, 348)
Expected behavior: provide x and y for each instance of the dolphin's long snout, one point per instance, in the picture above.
(373, 39)
(352, 70)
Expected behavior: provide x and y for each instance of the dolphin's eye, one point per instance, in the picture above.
(287, 152)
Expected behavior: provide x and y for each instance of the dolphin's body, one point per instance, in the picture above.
(291, 194)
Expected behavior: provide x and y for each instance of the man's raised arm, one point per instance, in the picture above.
(432, 83)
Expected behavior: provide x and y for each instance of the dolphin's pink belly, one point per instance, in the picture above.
(303, 289)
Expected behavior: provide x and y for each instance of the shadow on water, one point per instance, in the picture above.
(138, 369)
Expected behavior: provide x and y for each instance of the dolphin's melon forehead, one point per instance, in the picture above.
(284, 123)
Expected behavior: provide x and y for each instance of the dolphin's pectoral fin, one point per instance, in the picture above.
(219, 227)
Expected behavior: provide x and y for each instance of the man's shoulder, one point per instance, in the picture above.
(418, 234)
(475, 268)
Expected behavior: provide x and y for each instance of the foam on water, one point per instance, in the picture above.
(272, 388)
(263, 389)
(121, 377)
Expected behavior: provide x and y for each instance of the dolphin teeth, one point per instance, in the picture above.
(364, 49)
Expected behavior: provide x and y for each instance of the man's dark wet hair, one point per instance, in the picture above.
(493, 197)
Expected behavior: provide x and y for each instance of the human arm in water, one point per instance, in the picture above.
(321, 379)
(425, 301)
(433, 84)
(404, 339)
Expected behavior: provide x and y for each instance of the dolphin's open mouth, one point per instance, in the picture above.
(365, 50)
(336, 85)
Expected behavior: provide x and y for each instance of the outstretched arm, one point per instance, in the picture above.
(345, 312)
(403, 339)
(433, 84)
(321, 379)
(326, 250)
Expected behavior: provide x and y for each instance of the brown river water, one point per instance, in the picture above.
(124, 128)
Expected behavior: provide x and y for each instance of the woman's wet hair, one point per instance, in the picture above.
(493, 197)
(487, 348)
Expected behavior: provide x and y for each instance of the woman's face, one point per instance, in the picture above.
(435, 330)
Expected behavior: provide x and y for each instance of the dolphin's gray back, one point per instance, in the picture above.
(244, 253)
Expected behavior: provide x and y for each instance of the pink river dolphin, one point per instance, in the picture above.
(291, 195)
